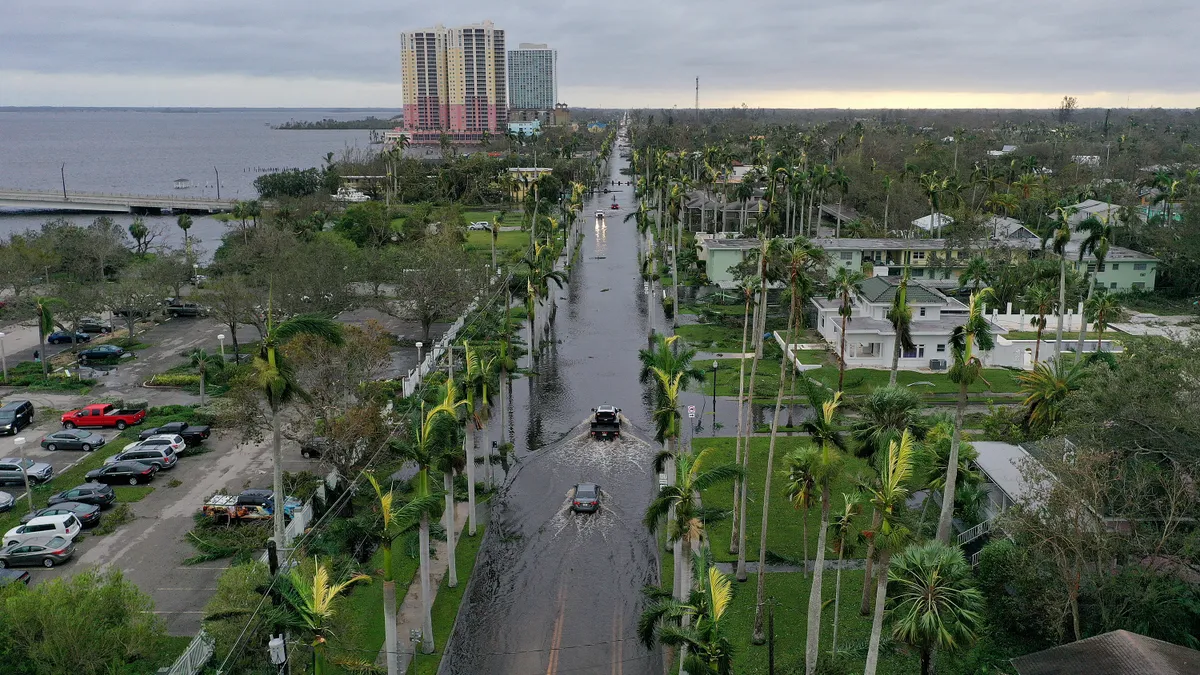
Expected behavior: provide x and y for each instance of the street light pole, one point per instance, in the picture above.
(19, 442)
(3, 359)
(714, 407)
(63, 173)
(221, 338)
(218, 182)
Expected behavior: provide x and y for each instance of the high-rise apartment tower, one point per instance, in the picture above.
(532, 77)
(454, 82)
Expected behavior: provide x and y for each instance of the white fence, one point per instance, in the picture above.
(429, 363)
(198, 652)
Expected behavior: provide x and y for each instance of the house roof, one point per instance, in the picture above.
(1002, 464)
(929, 222)
(883, 290)
(732, 244)
(831, 210)
(891, 244)
(1117, 653)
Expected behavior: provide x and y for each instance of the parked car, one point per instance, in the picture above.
(177, 307)
(88, 493)
(6, 502)
(64, 337)
(73, 439)
(11, 467)
(39, 529)
(313, 448)
(161, 456)
(93, 325)
(15, 415)
(102, 415)
(586, 498)
(193, 434)
(172, 441)
(121, 473)
(125, 311)
(88, 514)
(45, 553)
(480, 226)
(102, 353)
(8, 576)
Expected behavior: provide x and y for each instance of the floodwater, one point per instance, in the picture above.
(555, 591)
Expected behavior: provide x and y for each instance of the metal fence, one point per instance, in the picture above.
(198, 652)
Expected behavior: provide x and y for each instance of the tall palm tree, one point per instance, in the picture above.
(1062, 237)
(184, 221)
(841, 181)
(843, 527)
(802, 488)
(1097, 243)
(44, 315)
(667, 428)
(1039, 299)
(671, 356)
(277, 381)
(478, 383)
(935, 605)
(966, 341)
(395, 520)
(843, 286)
(976, 274)
(202, 361)
(888, 498)
(1102, 309)
(825, 432)
(1046, 388)
(801, 260)
(900, 314)
(934, 186)
(697, 626)
(888, 181)
(748, 291)
(678, 503)
(450, 461)
(310, 605)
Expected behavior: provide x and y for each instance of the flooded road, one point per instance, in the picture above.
(557, 592)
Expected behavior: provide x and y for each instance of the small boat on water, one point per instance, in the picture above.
(182, 184)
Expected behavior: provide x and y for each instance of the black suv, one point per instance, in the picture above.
(177, 307)
(14, 416)
(89, 493)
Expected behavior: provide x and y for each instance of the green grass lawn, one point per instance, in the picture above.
(445, 604)
(364, 607)
(134, 493)
(866, 380)
(505, 241)
(785, 534)
(1047, 336)
(711, 337)
(790, 593)
(766, 382)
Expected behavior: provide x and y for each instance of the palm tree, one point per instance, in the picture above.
(450, 462)
(697, 626)
(844, 285)
(1102, 309)
(184, 221)
(747, 288)
(976, 274)
(667, 423)
(843, 527)
(1039, 299)
(1097, 243)
(935, 605)
(310, 605)
(667, 355)
(1062, 237)
(884, 414)
(478, 382)
(203, 361)
(888, 499)
(841, 181)
(679, 504)
(395, 521)
(801, 488)
(277, 382)
(900, 314)
(1047, 387)
(975, 335)
(933, 186)
(44, 311)
(825, 432)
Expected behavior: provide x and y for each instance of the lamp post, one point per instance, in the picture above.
(221, 338)
(714, 407)
(19, 442)
(419, 345)
(3, 358)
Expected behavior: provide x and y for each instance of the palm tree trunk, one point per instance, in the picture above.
(737, 443)
(1100, 339)
(926, 661)
(1037, 346)
(838, 234)
(813, 642)
(877, 622)
(758, 637)
(944, 521)
(391, 643)
(741, 564)
(865, 608)
(1083, 318)
(804, 524)
(277, 475)
(43, 357)
(202, 385)
(469, 450)
(452, 566)
(426, 597)
(842, 356)
(895, 359)
(887, 198)
(1062, 303)
(837, 592)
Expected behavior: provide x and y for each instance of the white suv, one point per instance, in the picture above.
(159, 442)
(43, 528)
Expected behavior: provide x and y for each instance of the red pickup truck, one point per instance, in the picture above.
(102, 415)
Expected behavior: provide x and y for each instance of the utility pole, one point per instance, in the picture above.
(63, 172)
(279, 649)
(218, 182)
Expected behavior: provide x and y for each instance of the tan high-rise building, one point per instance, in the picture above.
(454, 82)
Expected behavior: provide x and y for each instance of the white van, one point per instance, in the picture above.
(43, 528)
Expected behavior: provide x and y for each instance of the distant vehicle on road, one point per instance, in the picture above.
(193, 434)
(249, 505)
(614, 206)
(606, 423)
(47, 554)
(73, 439)
(64, 337)
(88, 493)
(88, 514)
(93, 325)
(10, 470)
(123, 473)
(599, 215)
(586, 498)
(102, 415)
(102, 353)
(480, 226)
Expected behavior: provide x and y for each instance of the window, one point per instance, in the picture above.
(1116, 266)
(1139, 285)
(922, 311)
(909, 353)
(847, 255)
(921, 351)
(919, 272)
(941, 349)
(1113, 285)
(1139, 267)
(918, 255)
(1091, 268)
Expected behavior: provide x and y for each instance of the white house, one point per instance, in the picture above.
(1086, 160)
(870, 337)
(1006, 150)
(933, 221)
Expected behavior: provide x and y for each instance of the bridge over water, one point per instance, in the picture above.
(109, 203)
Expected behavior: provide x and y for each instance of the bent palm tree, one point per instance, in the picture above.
(1046, 388)
(935, 605)
(1039, 299)
(311, 605)
(697, 626)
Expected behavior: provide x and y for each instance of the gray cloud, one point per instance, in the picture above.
(766, 45)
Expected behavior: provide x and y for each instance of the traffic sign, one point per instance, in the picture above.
(692, 411)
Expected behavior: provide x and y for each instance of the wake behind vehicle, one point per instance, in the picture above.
(606, 423)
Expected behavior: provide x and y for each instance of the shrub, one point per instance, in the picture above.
(118, 516)
(174, 380)
(239, 591)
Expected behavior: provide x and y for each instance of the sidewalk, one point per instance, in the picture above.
(408, 615)
(752, 567)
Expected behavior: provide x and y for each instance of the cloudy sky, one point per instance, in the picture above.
(612, 53)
